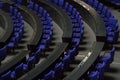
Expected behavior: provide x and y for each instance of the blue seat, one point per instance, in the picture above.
(11, 10)
(95, 4)
(31, 62)
(112, 36)
(37, 55)
(76, 30)
(90, 2)
(31, 4)
(46, 41)
(40, 10)
(110, 39)
(42, 47)
(44, 14)
(66, 6)
(3, 53)
(15, 11)
(61, 3)
(104, 11)
(21, 69)
(55, 1)
(59, 68)
(72, 53)
(6, 76)
(94, 75)
(1, 5)
(101, 69)
(14, 41)
(117, 3)
(74, 20)
(100, 8)
(19, 2)
(45, 36)
(75, 25)
(66, 61)
(74, 12)
(36, 8)
(50, 75)
(77, 35)
(20, 34)
(46, 31)
(112, 21)
(79, 19)
(107, 61)
(110, 14)
(13, 75)
(76, 41)
(77, 15)
(112, 53)
(70, 8)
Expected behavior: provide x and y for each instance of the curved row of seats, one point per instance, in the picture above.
(77, 37)
(18, 31)
(47, 25)
(18, 27)
(110, 21)
(44, 44)
(52, 72)
(102, 65)
(46, 34)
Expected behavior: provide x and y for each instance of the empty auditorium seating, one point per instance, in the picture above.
(70, 17)
(44, 44)
(47, 25)
(18, 27)
(77, 36)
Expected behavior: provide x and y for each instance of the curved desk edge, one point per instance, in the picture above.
(86, 62)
